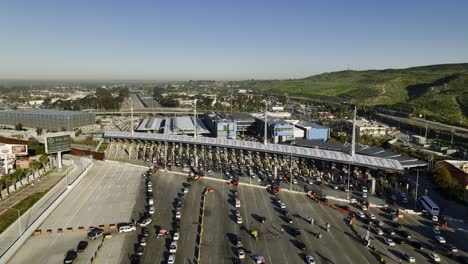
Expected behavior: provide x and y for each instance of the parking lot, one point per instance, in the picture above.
(107, 194)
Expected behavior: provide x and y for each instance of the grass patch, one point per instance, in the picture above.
(10, 216)
(103, 146)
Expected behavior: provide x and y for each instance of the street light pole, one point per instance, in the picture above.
(131, 114)
(417, 186)
(290, 171)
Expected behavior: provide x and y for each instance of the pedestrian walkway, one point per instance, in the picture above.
(39, 185)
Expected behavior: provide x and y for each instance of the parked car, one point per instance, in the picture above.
(82, 245)
(70, 256)
(434, 257)
(95, 233)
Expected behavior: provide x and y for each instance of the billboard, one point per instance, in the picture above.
(54, 144)
(13, 149)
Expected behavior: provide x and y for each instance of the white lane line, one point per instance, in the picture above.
(255, 202)
(69, 220)
(365, 259)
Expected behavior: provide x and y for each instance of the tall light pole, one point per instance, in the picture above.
(19, 220)
(131, 114)
(290, 169)
(195, 134)
(265, 140)
(417, 186)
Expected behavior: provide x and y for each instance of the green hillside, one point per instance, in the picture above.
(441, 91)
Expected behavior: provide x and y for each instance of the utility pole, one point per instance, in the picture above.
(353, 142)
(417, 186)
(265, 140)
(131, 114)
(195, 134)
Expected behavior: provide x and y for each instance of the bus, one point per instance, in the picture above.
(429, 205)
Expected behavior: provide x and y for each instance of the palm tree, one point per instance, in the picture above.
(10, 179)
(44, 160)
(34, 165)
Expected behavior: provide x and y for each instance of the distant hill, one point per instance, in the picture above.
(441, 91)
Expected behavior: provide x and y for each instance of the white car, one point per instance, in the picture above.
(377, 230)
(239, 220)
(127, 228)
(440, 239)
(283, 205)
(436, 230)
(364, 207)
(150, 189)
(178, 215)
(176, 236)
(171, 259)
(310, 259)
(435, 218)
(241, 253)
(352, 201)
(409, 258)
(434, 257)
(360, 214)
(371, 216)
(145, 221)
(151, 210)
(389, 242)
(173, 247)
(185, 190)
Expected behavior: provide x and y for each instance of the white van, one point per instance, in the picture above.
(150, 201)
(238, 203)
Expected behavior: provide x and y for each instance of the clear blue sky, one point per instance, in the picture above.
(216, 39)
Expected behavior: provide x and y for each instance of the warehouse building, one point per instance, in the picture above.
(312, 131)
(278, 130)
(220, 125)
(47, 119)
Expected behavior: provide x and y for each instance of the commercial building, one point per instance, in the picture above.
(313, 131)
(367, 127)
(48, 119)
(220, 125)
(278, 130)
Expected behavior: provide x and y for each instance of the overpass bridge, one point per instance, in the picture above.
(287, 150)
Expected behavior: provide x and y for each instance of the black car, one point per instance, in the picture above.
(297, 233)
(135, 259)
(389, 231)
(405, 234)
(300, 245)
(140, 250)
(396, 225)
(144, 231)
(70, 257)
(417, 244)
(398, 240)
(82, 245)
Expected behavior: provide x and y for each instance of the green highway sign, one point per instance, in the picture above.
(54, 144)
(147, 97)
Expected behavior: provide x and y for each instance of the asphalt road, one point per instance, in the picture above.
(105, 195)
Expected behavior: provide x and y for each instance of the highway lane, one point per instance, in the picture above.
(100, 198)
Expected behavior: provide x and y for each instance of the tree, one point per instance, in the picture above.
(39, 131)
(442, 178)
(44, 159)
(19, 126)
(34, 165)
